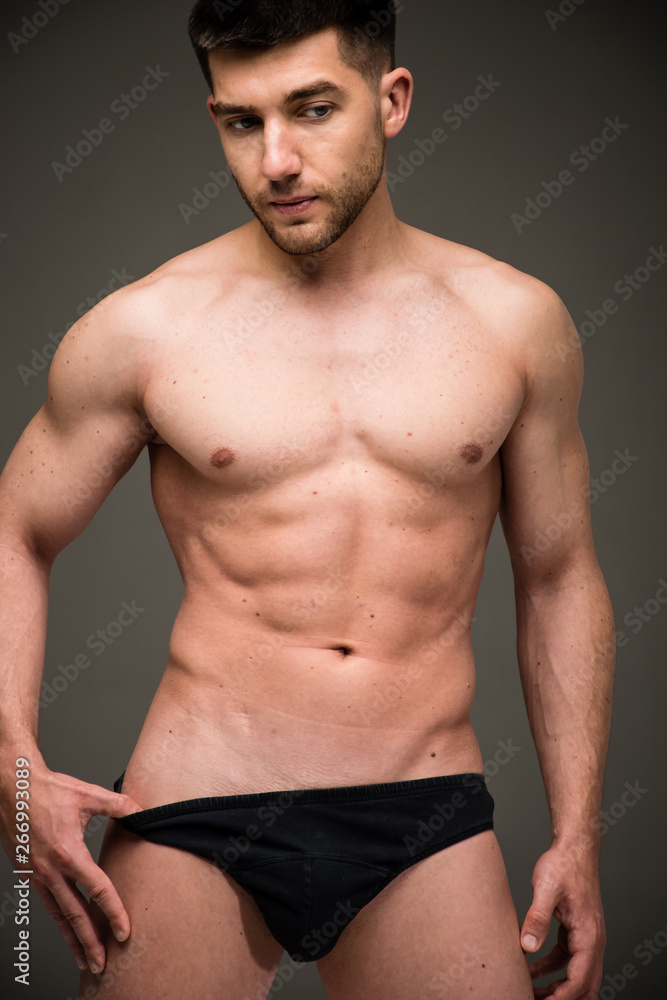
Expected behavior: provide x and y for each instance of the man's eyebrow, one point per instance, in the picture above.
(300, 94)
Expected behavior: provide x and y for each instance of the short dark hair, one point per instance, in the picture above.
(367, 37)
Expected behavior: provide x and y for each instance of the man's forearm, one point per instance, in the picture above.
(566, 646)
(24, 590)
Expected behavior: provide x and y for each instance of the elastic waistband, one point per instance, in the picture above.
(342, 793)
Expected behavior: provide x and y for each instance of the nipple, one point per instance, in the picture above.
(472, 453)
(222, 458)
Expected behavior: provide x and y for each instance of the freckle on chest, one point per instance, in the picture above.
(472, 453)
(222, 458)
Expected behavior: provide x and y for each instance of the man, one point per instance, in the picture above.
(336, 407)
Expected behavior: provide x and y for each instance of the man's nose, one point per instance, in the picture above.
(281, 157)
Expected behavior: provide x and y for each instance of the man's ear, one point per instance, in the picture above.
(397, 89)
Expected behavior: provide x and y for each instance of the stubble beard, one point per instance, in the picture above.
(347, 203)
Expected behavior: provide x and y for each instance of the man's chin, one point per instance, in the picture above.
(295, 240)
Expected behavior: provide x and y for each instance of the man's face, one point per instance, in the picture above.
(298, 125)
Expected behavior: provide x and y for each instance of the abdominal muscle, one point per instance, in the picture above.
(313, 652)
(306, 717)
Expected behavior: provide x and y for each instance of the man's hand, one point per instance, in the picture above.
(566, 885)
(60, 809)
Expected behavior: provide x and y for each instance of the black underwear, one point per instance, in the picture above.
(312, 858)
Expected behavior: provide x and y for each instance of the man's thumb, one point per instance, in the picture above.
(537, 923)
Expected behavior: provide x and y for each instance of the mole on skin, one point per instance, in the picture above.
(222, 457)
(471, 453)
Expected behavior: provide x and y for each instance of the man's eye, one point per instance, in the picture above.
(324, 110)
(237, 125)
(316, 113)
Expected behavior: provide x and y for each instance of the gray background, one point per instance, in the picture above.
(119, 209)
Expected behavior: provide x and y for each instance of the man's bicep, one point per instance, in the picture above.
(86, 436)
(545, 509)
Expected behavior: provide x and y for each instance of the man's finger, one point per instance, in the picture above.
(103, 893)
(579, 982)
(102, 802)
(63, 924)
(556, 960)
(73, 908)
(546, 992)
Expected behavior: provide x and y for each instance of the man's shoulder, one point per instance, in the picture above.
(483, 278)
(517, 313)
(187, 278)
(120, 334)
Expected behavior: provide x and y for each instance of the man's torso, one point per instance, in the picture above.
(326, 470)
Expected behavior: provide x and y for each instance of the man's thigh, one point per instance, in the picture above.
(195, 932)
(445, 928)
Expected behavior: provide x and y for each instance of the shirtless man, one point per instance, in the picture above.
(336, 406)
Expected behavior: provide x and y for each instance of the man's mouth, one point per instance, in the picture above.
(294, 206)
(293, 201)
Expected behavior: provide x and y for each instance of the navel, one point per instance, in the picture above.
(223, 457)
(472, 453)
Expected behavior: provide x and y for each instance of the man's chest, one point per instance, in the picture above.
(414, 391)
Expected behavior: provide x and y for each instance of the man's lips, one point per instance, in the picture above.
(294, 206)
(293, 201)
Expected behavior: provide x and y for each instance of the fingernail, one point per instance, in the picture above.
(81, 962)
(120, 934)
(530, 942)
(95, 968)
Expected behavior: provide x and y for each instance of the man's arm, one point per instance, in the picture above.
(87, 435)
(565, 640)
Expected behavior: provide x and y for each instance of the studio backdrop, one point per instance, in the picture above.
(536, 136)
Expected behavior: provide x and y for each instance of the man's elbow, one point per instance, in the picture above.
(545, 565)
